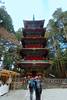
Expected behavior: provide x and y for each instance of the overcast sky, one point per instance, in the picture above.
(20, 10)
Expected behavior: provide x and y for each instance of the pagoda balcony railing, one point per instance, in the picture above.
(36, 48)
(33, 37)
(30, 57)
(35, 61)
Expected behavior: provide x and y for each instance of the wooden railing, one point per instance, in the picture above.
(47, 83)
(54, 83)
(48, 80)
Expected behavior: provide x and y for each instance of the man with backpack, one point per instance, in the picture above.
(38, 88)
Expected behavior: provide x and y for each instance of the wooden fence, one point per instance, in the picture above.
(47, 83)
(54, 83)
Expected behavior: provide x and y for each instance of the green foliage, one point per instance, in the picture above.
(11, 56)
(2, 48)
(57, 26)
(59, 65)
(8, 59)
(19, 34)
(54, 24)
(5, 20)
(58, 14)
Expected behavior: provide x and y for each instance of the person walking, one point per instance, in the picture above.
(38, 88)
(31, 85)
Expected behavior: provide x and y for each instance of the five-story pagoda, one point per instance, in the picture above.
(34, 52)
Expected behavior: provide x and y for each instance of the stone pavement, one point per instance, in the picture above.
(47, 94)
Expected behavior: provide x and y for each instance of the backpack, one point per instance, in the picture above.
(38, 86)
(31, 84)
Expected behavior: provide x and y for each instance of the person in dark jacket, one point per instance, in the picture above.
(31, 87)
(38, 88)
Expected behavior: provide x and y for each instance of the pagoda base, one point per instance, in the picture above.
(33, 68)
(32, 71)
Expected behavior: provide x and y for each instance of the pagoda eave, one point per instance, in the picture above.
(27, 21)
(35, 51)
(33, 30)
(34, 38)
(37, 23)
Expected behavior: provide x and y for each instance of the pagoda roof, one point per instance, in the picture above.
(40, 50)
(33, 23)
(33, 37)
(34, 51)
(34, 29)
(33, 41)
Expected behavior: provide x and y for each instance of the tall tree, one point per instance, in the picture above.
(61, 19)
(56, 28)
(5, 20)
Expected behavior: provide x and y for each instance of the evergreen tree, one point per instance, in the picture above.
(5, 20)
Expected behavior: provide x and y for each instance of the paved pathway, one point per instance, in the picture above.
(48, 94)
